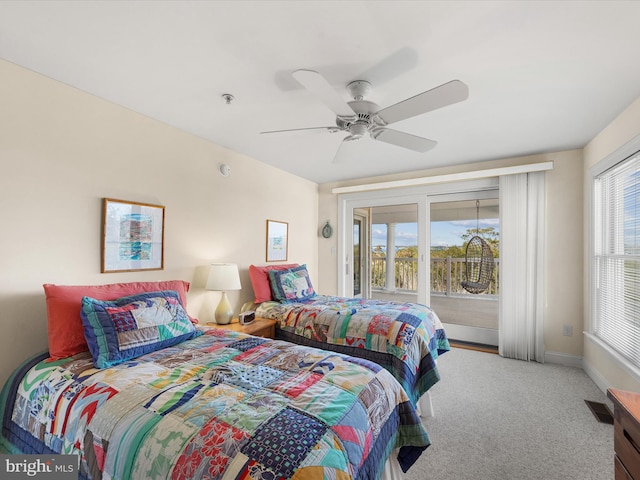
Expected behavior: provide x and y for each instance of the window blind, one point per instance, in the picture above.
(617, 257)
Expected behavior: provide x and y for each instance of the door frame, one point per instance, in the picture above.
(364, 217)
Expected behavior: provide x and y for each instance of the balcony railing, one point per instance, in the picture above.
(446, 275)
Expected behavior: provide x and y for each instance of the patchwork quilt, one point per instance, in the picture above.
(405, 338)
(223, 405)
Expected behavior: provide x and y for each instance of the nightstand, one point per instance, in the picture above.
(260, 327)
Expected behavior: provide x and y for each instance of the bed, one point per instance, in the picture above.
(405, 338)
(206, 403)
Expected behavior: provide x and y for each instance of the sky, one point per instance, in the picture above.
(442, 233)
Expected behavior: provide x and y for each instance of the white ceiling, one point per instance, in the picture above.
(543, 75)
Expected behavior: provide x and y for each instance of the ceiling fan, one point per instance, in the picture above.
(359, 116)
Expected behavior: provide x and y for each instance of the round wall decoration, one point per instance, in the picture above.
(327, 231)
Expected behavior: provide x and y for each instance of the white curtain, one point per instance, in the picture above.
(522, 266)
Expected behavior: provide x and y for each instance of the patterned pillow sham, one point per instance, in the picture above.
(125, 328)
(259, 276)
(291, 285)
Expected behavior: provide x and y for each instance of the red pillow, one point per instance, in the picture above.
(260, 280)
(66, 334)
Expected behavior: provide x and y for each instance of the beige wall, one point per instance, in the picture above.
(563, 243)
(62, 151)
(598, 362)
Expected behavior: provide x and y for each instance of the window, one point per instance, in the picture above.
(616, 243)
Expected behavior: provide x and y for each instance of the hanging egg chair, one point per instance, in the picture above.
(478, 263)
(478, 266)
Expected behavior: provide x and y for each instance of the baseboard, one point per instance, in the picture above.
(595, 376)
(563, 359)
(484, 336)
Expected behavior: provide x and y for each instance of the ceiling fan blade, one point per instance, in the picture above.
(404, 140)
(318, 85)
(347, 149)
(327, 129)
(447, 94)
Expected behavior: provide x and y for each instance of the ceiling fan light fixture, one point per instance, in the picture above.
(357, 130)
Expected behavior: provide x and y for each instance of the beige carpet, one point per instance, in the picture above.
(499, 419)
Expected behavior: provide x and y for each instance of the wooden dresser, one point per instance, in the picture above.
(626, 433)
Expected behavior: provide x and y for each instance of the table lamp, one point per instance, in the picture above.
(223, 277)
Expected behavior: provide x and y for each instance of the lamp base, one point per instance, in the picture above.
(224, 312)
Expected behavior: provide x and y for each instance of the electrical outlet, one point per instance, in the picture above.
(567, 330)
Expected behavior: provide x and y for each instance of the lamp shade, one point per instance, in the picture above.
(223, 277)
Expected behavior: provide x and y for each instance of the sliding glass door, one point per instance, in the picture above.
(397, 260)
(454, 220)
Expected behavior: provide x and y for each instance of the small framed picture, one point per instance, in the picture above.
(277, 241)
(132, 236)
